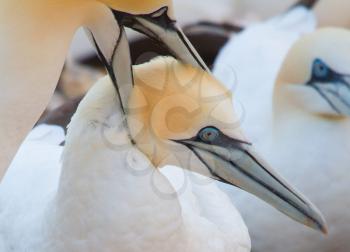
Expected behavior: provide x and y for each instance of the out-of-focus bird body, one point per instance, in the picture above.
(36, 32)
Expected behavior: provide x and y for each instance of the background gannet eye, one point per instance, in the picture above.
(320, 71)
(209, 134)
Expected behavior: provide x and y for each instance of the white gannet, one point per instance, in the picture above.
(250, 61)
(35, 36)
(108, 195)
(307, 136)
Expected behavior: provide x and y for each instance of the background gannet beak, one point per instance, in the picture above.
(234, 162)
(161, 28)
(306, 3)
(336, 93)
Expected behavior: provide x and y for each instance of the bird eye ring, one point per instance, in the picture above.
(320, 69)
(209, 134)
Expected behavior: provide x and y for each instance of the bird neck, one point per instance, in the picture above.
(34, 44)
(108, 188)
(283, 104)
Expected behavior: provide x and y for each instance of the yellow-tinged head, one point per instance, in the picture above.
(179, 114)
(315, 75)
(174, 101)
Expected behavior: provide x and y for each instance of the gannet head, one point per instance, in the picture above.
(178, 112)
(315, 75)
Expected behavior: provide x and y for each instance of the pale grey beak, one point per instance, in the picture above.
(234, 162)
(335, 92)
(163, 30)
(113, 50)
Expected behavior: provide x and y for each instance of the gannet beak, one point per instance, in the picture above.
(336, 93)
(117, 62)
(234, 162)
(161, 28)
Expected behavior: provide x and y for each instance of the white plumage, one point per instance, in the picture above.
(96, 203)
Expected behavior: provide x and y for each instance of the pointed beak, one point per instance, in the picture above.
(159, 27)
(117, 61)
(235, 162)
(336, 94)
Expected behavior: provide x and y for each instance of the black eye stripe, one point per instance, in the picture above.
(330, 85)
(322, 73)
(320, 70)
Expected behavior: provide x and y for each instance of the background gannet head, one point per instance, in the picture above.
(315, 75)
(178, 112)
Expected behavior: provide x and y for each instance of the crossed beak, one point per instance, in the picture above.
(336, 93)
(234, 162)
(159, 27)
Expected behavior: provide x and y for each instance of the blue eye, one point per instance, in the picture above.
(320, 70)
(209, 134)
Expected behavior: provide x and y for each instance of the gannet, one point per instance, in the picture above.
(249, 62)
(109, 195)
(306, 134)
(35, 36)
